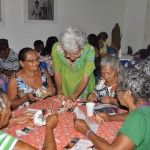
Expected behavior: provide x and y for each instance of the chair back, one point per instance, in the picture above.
(4, 87)
(43, 65)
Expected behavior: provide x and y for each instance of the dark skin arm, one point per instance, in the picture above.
(80, 88)
(49, 143)
(121, 142)
(51, 89)
(23, 118)
(116, 117)
(71, 100)
(58, 82)
(51, 123)
(12, 93)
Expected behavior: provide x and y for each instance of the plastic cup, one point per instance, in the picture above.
(89, 108)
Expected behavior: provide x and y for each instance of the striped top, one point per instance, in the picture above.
(7, 142)
(11, 63)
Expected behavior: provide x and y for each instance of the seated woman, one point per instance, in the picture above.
(23, 84)
(134, 93)
(73, 61)
(105, 87)
(14, 143)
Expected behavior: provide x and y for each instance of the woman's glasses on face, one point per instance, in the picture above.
(116, 93)
(32, 61)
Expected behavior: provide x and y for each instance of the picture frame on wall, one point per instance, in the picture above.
(39, 10)
(2, 16)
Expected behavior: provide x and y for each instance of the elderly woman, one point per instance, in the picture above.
(104, 90)
(134, 93)
(30, 80)
(145, 67)
(73, 62)
(12, 143)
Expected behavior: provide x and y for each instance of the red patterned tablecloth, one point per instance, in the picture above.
(64, 131)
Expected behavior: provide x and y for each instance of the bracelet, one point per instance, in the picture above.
(87, 133)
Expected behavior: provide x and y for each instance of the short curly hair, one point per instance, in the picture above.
(137, 82)
(144, 65)
(73, 38)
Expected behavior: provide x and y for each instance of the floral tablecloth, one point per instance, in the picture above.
(64, 132)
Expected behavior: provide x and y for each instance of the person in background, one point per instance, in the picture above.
(103, 43)
(93, 40)
(14, 143)
(110, 47)
(46, 55)
(49, 44)
(73, 61)
(8, 61)
(133, 92)
(138, 57)
(38, 46)
(105, 87)
(24, 83)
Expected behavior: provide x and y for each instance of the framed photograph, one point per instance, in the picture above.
(39, 10)
(2, 21)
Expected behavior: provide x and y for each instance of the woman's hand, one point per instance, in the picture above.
(22, 119)
(92, 97)
(52, 121)
(104, 116)
(81, 126)
(31, 97)
(51, 91)
(59, 98)
(109, 100)
(69, 104)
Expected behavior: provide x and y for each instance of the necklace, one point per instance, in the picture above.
(28, 75)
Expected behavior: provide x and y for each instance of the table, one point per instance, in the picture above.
(64, 132)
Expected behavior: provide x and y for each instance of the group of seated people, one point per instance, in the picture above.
(73, 65)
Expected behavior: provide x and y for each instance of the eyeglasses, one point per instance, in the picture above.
(32, 61)
(116, 93)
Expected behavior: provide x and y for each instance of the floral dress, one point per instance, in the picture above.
(24, 89)
(102, 90)
(72, 74)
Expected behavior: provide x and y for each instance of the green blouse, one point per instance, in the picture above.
(72, 74)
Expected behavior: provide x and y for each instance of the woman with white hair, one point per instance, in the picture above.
(73, 62)
(133, 92)
(104, 90)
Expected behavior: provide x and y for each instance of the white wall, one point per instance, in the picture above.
(134, 24)
(147, 27)
(92, 15)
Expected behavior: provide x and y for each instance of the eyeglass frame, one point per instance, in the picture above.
(116, 93)
(32, 61)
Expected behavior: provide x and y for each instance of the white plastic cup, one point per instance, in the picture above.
(89, 108)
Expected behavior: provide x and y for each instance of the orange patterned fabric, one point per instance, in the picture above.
(64, 131)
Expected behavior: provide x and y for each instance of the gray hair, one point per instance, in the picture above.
(111, 61)
(137, 82)
(144, 65)
(73, 38)
(2, 100)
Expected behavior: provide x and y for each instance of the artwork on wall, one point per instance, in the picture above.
(2, 13)
(39, 10)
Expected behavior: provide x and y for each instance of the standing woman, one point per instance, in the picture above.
(29, 78)
(73, 62)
